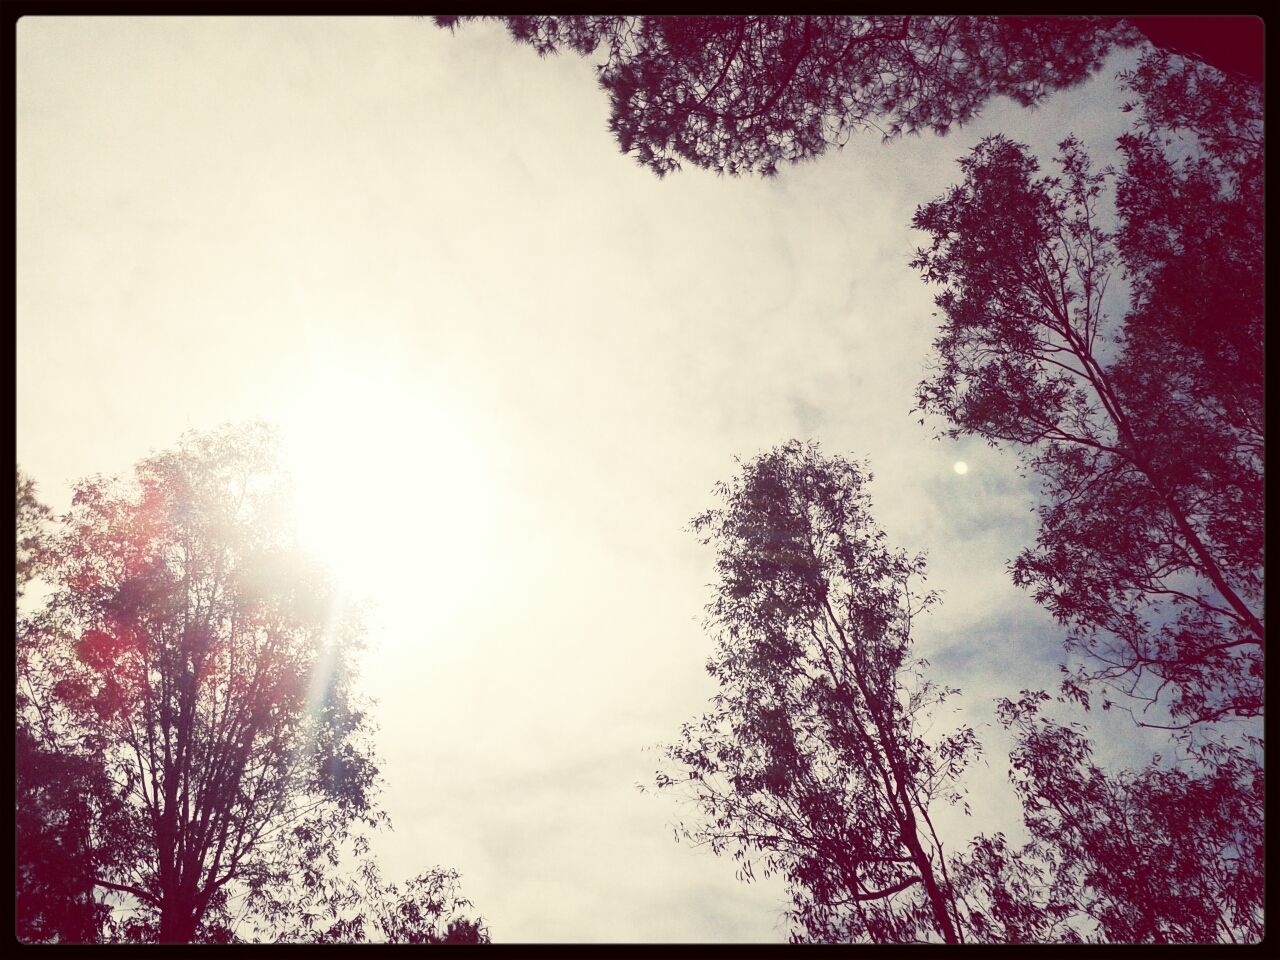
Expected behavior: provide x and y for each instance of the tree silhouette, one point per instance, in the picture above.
(811, 762)
(744, 94)
(64, 803)
(1006, 895)
(1166, 854)
(201, 662)
(312, 902)
(32, 533)
(1147, 434)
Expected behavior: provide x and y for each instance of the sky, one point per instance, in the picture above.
(509, 364)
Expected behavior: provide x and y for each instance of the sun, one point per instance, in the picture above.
(395, 488)
(961, 467)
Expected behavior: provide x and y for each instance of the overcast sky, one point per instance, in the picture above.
(510, 364)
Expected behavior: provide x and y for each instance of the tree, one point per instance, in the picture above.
(428, 910)
(315, 903)
(1191, 236)
(1166, 854)
(1006, 895)
(811, 761)
(743, 94)
(201, 662)
(1147, 435)
(32, 534)
(1233, 44)
(55, 795)
(61, 800)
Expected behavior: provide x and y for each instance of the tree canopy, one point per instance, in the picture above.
(188, 685)
(1146, 432)
(1163, 854)
(744, 94)
(817, 760)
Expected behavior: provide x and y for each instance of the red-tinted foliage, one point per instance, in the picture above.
(744, 94)
(179, 646)
(1165, 854)
(1147, 434)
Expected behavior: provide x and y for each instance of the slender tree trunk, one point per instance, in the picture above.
(899, 796)
(937, 898)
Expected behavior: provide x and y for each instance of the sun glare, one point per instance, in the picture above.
(394, 487)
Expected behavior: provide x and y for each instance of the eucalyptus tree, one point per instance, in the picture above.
(812, 761)
(1146, 430)
(1167, 853)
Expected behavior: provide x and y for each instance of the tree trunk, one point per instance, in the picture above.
(178, 921)
(937, 899)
